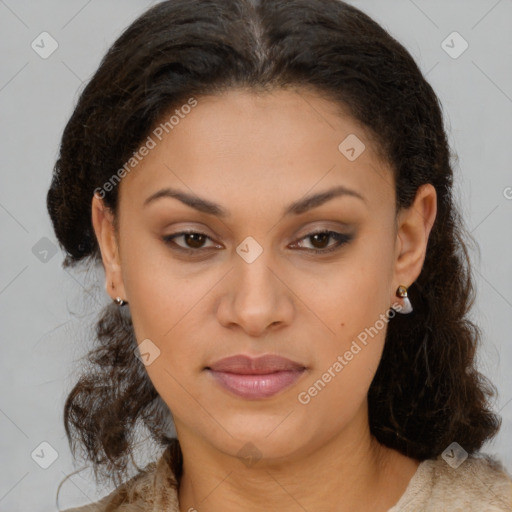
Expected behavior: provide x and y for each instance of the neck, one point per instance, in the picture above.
(350, 471)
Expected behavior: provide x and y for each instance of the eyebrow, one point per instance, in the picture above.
(296, 208)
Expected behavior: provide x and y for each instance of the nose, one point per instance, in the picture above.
(256, 299)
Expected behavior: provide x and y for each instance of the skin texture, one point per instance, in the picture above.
(254, 155)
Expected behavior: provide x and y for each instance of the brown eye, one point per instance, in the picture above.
(320, 239)
(193, 240)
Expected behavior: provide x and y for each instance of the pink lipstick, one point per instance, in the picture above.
(255, 378)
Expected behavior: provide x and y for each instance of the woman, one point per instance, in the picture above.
(267, 186)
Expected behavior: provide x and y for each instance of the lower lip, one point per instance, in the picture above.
(256, 386)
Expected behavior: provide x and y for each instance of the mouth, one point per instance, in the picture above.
(255, 378)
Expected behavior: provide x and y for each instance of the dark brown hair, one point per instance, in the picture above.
(427, 391)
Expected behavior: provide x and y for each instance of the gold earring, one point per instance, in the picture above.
(401, 292)
(118, 300)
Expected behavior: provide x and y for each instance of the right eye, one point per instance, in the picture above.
(195, 238)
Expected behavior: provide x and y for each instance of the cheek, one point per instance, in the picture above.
(157, 297)
(347, 360)
(165, 302)
(332, 398)
(356, 292)
(355, 305)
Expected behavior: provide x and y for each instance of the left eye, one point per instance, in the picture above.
(194, 241)
(322, 236)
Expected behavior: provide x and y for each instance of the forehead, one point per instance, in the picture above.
(240, 145)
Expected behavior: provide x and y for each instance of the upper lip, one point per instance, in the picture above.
(255, 366)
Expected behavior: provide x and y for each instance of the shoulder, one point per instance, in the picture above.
(153, 488)
(480, 483)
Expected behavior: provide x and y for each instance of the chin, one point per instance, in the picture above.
(263, 440)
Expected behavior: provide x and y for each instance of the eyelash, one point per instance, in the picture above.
(341, 238)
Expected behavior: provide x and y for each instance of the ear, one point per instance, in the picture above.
(413, 229)
(103, 223)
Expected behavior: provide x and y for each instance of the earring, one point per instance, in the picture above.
(118, 300)
(401, 292)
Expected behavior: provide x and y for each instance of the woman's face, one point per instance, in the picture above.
(249, 283)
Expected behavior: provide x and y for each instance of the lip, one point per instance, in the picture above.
(256, 378)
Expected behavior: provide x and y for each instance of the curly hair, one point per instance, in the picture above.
(427, 391)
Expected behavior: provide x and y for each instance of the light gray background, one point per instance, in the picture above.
(45, 310)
